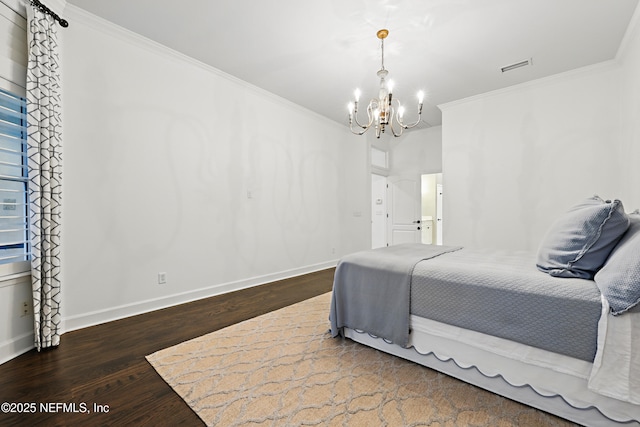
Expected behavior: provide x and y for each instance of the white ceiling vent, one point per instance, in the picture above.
(510, 67)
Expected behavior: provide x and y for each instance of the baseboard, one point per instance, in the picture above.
(103, 316)
(15, 347)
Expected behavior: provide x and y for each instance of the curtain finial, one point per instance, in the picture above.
(36, 3)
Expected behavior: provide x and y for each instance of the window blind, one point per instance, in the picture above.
(14, 208)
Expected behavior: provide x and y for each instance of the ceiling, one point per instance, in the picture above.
(315, 53)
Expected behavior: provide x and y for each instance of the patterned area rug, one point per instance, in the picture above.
(283, 368)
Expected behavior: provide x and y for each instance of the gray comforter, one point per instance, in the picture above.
(502, 293)
(493, 292)
(371, 290)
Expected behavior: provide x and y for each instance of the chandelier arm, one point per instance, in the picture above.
(414, 124)
(356, 132)
(369, 115)
(393, 130)
(409, 126)
(355, 116)
(391, 122)
(365, 127)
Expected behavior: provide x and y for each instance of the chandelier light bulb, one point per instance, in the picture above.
(356, 94)
(420, 97)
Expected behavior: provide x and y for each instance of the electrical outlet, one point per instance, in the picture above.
(25, 309)
(162, 278)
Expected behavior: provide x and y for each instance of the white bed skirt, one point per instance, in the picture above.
(541, 379)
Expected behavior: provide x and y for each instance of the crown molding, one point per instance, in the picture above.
(611, 64)
(632, 30)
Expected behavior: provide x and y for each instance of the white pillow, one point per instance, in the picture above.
(619, 278)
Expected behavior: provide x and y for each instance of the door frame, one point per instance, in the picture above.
(379, 211)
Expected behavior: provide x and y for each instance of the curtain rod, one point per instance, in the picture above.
(45, 9)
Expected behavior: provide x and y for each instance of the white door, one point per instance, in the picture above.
(439, 214)
(378, 211)
(404, 210)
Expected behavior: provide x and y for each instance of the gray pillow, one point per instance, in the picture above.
(619, 278)
(580, 241)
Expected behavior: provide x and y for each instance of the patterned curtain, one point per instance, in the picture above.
(44, 149)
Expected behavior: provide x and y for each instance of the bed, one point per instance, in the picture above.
(562, 342)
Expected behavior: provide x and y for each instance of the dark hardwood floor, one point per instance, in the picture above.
(106, 365)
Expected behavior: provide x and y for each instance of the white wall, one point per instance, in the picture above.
(171, 166)
(515, 159)
(629, 57)
(416, 152)
(16, 328)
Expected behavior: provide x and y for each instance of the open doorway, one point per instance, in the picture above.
(431, 189)
(431, 219)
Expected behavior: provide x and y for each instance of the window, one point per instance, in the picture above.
(14, 242)
(14, 207)
(379, 159)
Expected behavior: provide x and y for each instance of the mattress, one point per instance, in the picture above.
(504, 295)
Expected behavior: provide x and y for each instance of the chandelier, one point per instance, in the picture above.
(381, 110)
